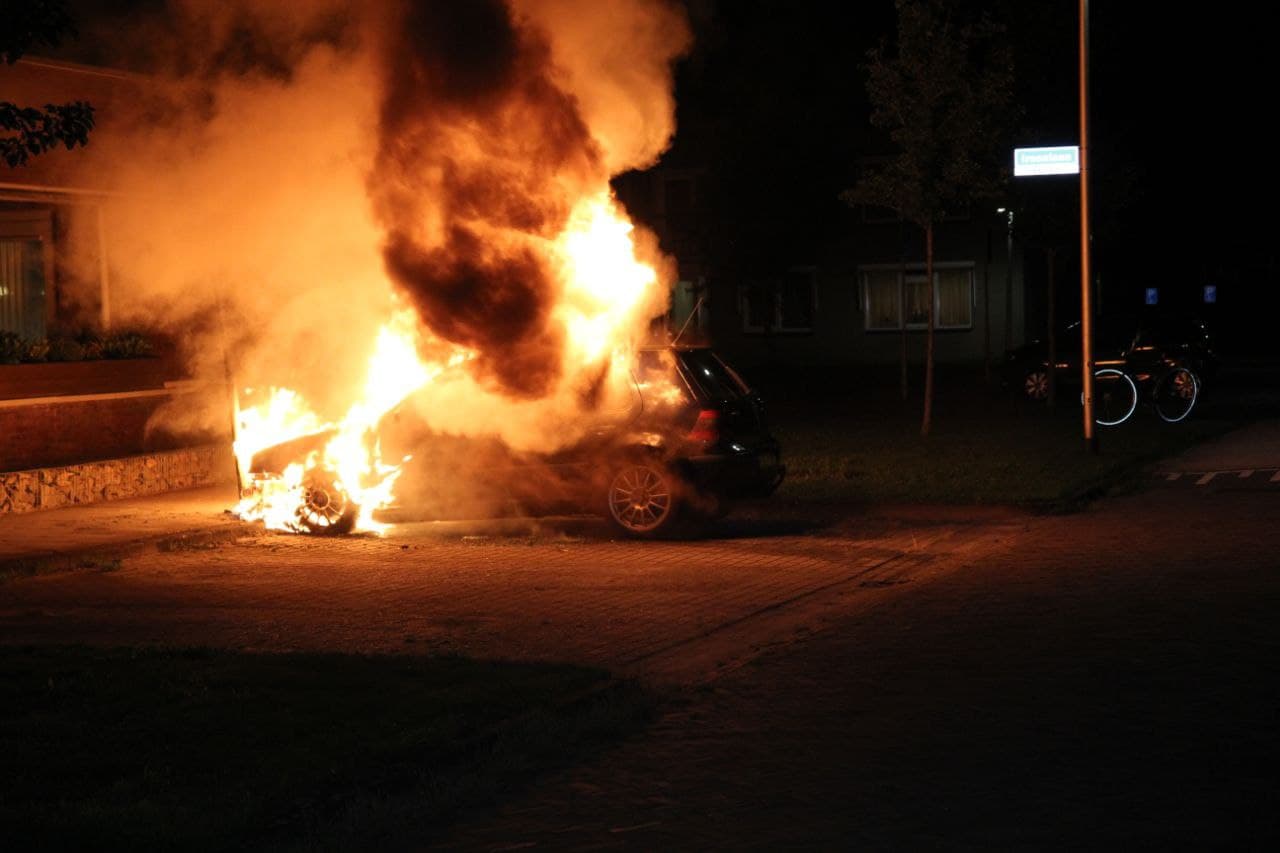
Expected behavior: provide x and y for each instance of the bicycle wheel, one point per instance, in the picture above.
(1114, 397)
(1176, 394)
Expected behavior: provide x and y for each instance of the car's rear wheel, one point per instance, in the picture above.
(643, 498)
(326, 507)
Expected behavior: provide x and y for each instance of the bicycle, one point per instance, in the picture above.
(1172, 394)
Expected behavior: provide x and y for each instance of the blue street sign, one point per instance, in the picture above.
(1210, 294)
(1153, 295)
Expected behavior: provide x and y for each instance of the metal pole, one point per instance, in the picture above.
(1008, 279)
(1086, 298)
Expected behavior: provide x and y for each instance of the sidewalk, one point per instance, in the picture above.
(122, 526)
(1256, 446)
(116, 526)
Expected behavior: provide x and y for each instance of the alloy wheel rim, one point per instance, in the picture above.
(640, 498)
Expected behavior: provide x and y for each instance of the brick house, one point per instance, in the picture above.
(74, 426)
(846, 300)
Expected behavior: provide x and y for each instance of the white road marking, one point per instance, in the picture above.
(1206, 478)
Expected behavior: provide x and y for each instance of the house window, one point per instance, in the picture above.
(26, 271)
(797, 299)
(889, 294)
(757, 307)
(785, 305)
(955, 298)
(882, 299)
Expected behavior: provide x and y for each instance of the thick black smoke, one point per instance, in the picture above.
(481, 154)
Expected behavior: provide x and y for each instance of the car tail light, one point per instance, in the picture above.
(707, 428)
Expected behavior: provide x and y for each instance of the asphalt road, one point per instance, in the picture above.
(892, 679)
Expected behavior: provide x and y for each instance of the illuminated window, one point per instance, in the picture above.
(889, 294)
(21, 288)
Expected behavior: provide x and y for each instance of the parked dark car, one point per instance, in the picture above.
(1142, 345)
(692, 439)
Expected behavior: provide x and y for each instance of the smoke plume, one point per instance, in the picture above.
(302, 170)
(485, 143)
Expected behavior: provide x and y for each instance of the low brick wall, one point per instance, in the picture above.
(111, 479)
(73, 430)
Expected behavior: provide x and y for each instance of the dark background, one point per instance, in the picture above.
(771, 102)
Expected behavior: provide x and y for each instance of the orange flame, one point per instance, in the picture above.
(606, 299)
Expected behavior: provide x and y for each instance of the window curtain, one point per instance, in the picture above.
(21, 288)
(955, 298)
(882, 298)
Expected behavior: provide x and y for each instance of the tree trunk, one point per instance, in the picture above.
(927, 420)
(902, 310)
(986, 313)
(1051, 255)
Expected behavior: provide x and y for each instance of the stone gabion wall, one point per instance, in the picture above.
(112, 479)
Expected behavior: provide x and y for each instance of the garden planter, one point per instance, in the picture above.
(72, 378)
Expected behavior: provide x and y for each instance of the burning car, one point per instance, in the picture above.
(687, 438)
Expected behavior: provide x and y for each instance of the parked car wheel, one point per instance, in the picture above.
(643, 498)
(326, 508)
(1036, 384)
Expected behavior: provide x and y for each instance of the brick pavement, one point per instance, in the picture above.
(1096, 679)
(1108, 680)
(579, 598)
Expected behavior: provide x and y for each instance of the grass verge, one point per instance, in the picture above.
(203, 749)
(983, 450)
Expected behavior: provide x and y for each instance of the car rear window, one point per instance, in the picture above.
(714, 378)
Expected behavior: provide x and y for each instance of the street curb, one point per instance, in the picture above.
(106, 557)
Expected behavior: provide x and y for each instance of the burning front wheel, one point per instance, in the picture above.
(643, 499)
(326, 507)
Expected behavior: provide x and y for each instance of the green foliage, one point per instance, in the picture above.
(12, 348)
(85, 345)
(90, 343)
(125, 345)
(944, 97)
(66, 349)
(37, 350)
(28, 131)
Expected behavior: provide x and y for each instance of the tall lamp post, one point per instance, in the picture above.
(1086, 296)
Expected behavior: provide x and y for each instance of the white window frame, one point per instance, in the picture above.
(914, 271)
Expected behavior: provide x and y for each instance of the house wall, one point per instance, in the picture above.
(839, 331)
(73, 414)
